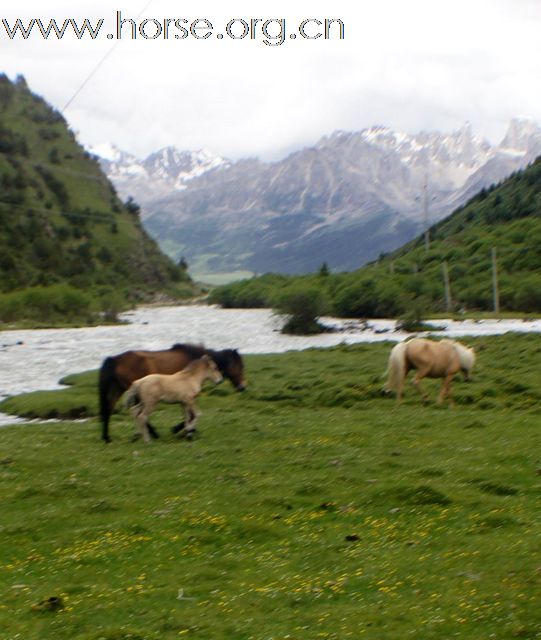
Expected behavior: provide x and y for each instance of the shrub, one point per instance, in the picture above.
(302, 308)
(527, 295)
(46, 304)
(55, 185)
(357, 300)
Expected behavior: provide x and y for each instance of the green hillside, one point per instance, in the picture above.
(506, 218)
(62, 226)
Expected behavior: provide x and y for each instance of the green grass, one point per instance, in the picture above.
(309, 507)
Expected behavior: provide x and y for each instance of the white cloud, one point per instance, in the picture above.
(411, 65)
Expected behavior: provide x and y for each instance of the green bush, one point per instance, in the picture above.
(302, 308)
(527, 294)
(46, 304)
(246, 294)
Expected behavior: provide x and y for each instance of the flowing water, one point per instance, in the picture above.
(37, 359)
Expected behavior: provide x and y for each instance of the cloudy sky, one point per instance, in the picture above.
(407, 64)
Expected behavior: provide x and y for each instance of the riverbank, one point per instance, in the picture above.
(37, 360)
(96, 319)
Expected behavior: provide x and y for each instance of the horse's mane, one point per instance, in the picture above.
(466, 354)
(222, 358)
(193, 350)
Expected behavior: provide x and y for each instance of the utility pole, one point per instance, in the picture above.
(495, 288)
(448, 299)
(425, 213)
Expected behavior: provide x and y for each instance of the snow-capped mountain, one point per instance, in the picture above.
(345, 200)
(161, 173)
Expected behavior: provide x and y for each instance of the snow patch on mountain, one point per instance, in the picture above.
(162, 172)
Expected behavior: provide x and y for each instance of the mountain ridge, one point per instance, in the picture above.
(343, 200)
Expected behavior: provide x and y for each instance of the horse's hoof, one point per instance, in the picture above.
(152, 431)
(178, 427)
(190, 435)
(136, 437)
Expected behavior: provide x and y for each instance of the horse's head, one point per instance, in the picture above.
(232, 367)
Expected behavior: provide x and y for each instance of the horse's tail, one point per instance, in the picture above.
(109, 391)
(132, 396)
(396, 367)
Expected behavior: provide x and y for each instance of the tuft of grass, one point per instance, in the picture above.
(421, 495)
(497, 489)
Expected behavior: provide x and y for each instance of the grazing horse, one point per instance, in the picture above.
(183, 387)
(442, 359)
(118, 372)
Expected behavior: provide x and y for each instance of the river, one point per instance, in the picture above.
(37, 359)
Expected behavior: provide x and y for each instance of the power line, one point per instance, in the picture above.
(74, 214)
(425, 213)
(102, 179)
(495, 286)
(97, 66)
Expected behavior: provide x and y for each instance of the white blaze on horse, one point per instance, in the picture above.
(182, 387)
(432, 359)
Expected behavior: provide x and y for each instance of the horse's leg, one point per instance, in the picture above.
(400, 389)
(445, 391)
(401, 383)
(136, 411)
(140, 431)
(182, 425)
(178, 427)
(192, 414)
(143, 414)
(144, 429)
(108, 404)
(421, 373)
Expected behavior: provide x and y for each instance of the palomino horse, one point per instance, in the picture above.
(118, 372)
(183, 387)
(432, 359)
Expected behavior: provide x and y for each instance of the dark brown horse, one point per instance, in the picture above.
(118, 372)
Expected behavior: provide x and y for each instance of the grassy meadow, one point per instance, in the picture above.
(309, 507)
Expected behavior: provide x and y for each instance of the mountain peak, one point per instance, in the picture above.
(521, 133)
(107, 151)
(162, 172)
(260, 211)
